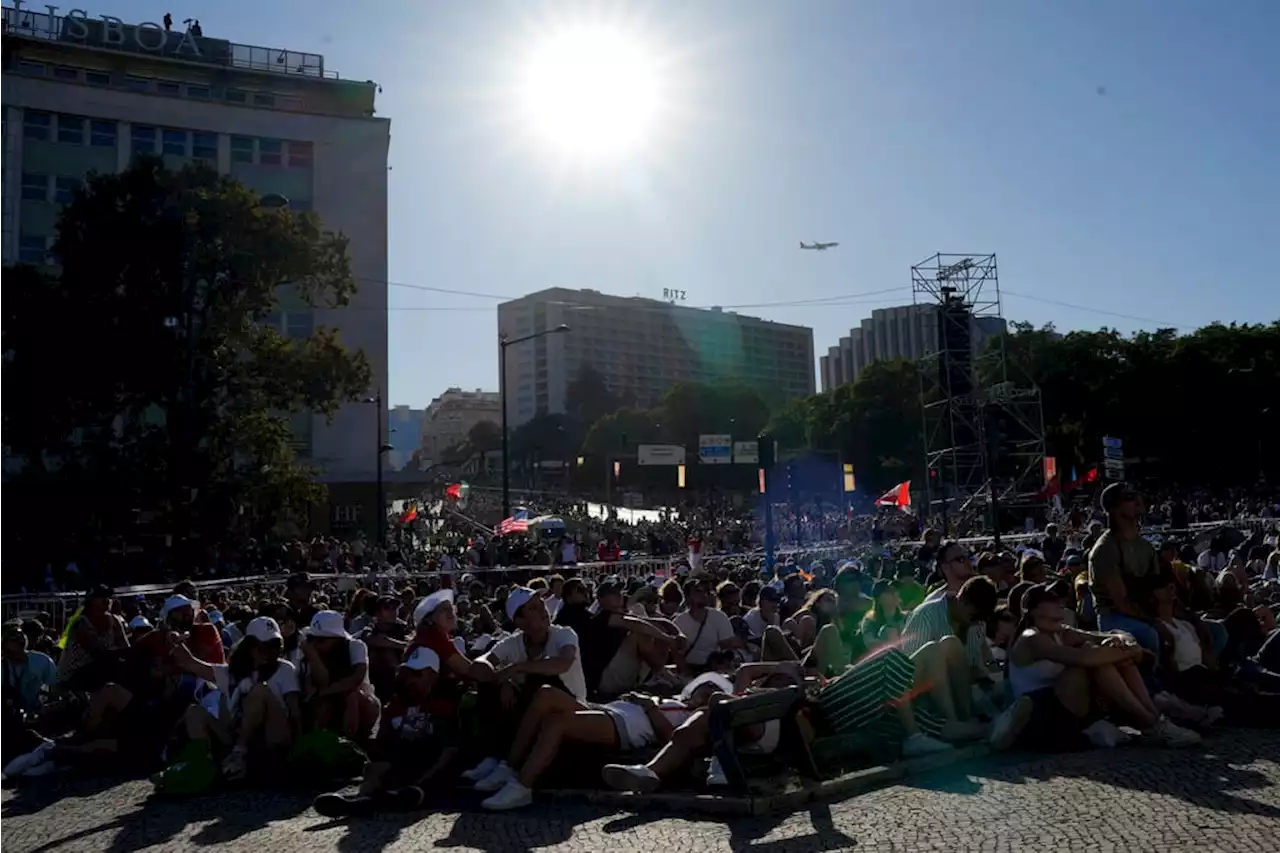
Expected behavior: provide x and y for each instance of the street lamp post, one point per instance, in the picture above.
(503, 343)
(383, 447)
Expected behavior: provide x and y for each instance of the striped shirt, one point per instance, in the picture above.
(928, 623)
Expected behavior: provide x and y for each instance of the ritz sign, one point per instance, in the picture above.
(148, 35)
(670, 294)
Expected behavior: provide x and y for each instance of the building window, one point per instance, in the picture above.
(65, 189)
(71, 130)
(97, 78)
(61, 72)
(143, 139)
(32, 250)
(137, 84)
(270, 152)
(35, 187)
(300, 155)
(241, 149)
(237, 96)
(31, 69)
(102, 134)
(175, 142)
(204, 146)
(164, 87)
(36, 125)
(264, 99)
(200, 93)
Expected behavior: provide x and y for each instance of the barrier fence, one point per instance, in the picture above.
(59, 606)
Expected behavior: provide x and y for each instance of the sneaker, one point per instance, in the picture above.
(501, 775)
(235, 765)
(20, 765)
(1105, 734)
(406, 799)
(1010, 723)
(343, 805)
(715, 775)
(1172, 734)
(481, 770)
(919, 744)
(512, 795)
(631, 777)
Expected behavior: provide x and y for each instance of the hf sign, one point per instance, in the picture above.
(148, 35)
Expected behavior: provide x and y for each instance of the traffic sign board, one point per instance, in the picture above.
(1113, 453)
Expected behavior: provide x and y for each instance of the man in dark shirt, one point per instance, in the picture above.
(1122, 568)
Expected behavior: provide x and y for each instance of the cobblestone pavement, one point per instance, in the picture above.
(1224, 796)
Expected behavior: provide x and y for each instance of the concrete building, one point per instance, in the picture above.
(450, 417)
(84, 93)
(907, 331)
(642, 347)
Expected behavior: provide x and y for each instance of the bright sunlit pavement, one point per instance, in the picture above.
(591, 92)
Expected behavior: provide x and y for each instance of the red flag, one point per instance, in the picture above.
(453, 491)
(410, 515)
(899, 496)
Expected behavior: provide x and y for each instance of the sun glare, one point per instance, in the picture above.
(591, 93)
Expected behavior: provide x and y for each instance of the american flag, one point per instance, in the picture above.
(517, 523)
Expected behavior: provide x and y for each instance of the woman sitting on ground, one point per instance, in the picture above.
(1062, 669)
(255, 712)
(555, 718)
(883, 624)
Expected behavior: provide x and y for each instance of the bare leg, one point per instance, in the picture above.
(1072, 690)
(1133, 679)
(1112, 685)
(593, 727)
(201, 725)
(774, 645)
(103, 705)
(547, 701)
(941, 669)
(690, 739)
(829, 652)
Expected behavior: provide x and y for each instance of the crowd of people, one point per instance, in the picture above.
(507, 681)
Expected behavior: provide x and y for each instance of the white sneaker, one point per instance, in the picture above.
(715, 774)
(501, 775)
(20, 765)
(1105, 734)
(1010, 723)
(915, 745)
(481, 770)
(512, 795)
(1172, 734)
(631, 777)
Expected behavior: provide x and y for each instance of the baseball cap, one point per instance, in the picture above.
(423, 658)
(1116, 494)
(138, 622)
(770, 593)
(428, 605)
(518, 597)
(176, 602)
(724, 685)
(264, 629)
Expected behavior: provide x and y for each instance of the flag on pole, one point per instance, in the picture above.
(899, 496)
(409, 515)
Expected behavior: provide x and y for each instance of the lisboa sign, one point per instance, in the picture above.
(110, 31)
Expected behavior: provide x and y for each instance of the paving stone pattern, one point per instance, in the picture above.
(1222, 797)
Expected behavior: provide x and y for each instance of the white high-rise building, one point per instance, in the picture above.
(86, 93)
(451, 416)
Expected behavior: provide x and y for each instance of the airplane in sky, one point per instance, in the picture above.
(818, 247)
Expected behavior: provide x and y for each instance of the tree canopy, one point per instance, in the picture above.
(153, 381)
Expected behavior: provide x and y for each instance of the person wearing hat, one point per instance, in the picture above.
(334, 674)
(1123, 566)
(412, 749)
(96, 639)
(256, 713)
(539, 658)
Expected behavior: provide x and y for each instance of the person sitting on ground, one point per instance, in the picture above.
(883, 623)
(631, 722)
(709, 630)
(334, 675)
(256, 711)
(1060, 670)
(412, 748)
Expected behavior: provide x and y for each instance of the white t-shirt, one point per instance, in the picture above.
(357, 653)
(1212, 562)
(281, 683)
(512, 649)
(708, 636)
(553, 605)
(756, 623)
(1186, 644)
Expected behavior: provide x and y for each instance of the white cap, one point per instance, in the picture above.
(423, 658)
(518, 597)
(139, 621)
(721, 683)
(328, 623)
(176, 602)
(264, 629)
(428, 605)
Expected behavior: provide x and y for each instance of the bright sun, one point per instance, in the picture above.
(591, 92)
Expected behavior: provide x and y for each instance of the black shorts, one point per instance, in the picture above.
(1052, 728)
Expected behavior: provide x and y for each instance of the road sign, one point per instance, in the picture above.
(1113, 453)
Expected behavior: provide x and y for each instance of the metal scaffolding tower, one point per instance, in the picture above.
(983, 428)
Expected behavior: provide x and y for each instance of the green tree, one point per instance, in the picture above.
(154, 384)
(484, 437)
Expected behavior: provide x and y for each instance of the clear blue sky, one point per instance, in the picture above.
(1120, 154)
